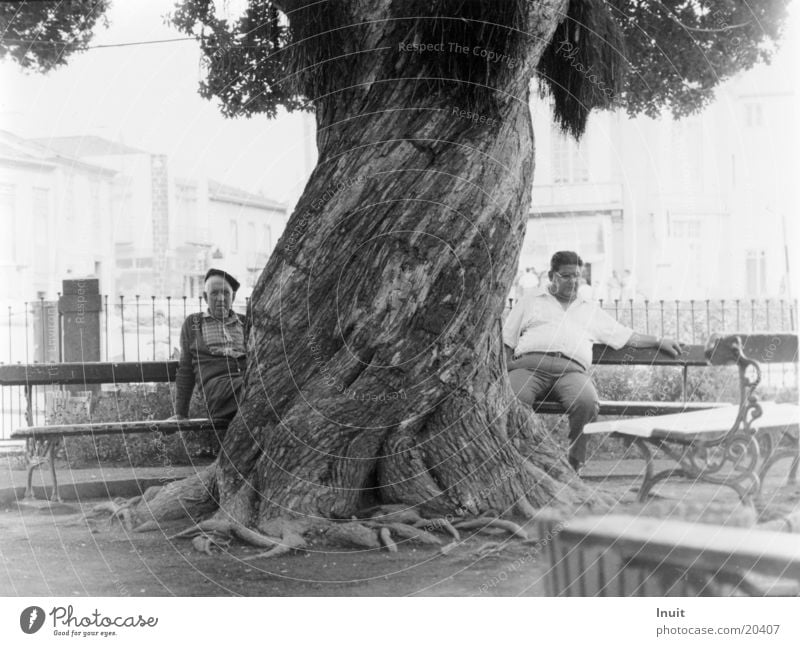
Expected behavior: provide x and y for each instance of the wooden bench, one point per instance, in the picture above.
(617, 555)
(42, 441)
(692, 356)
(738, 455)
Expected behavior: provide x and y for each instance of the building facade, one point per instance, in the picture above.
(697, 208)
(87, 206)
(54, 212)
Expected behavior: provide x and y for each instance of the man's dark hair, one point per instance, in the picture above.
(561, 258)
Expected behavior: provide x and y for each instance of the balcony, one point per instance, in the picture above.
(548, 198)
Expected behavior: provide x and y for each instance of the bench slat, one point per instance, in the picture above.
(90, 372)
(692, 355)
(775, 347)
(105, 372)
(707, 546)
(113, 428)
(632, 407)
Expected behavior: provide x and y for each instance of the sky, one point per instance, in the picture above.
(146, 96)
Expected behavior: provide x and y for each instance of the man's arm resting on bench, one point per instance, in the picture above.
(667, 346)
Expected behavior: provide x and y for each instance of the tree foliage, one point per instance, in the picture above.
(641, 55)
(40, 36)
(679, 50)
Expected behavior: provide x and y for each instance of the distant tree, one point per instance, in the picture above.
(376, 367)
(40, 36)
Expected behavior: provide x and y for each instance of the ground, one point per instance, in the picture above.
(44, 553)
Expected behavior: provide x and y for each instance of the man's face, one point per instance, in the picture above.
(219, 296)
(566, 281)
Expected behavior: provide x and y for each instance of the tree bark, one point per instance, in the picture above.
(376, 366)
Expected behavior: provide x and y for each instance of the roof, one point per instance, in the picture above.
(18, 150)
(224, 193)
(87, 146)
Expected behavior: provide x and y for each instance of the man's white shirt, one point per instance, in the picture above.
(539, 323)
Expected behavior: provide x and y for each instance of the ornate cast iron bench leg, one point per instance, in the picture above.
(650, 477)
(694, 463)
(774, 452)
(35, 461)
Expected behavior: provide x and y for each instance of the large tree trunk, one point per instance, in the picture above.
(376, 365)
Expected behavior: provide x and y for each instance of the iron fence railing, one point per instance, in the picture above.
(693, 321)
(147, 328)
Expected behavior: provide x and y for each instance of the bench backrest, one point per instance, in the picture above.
(99, 372)
(103, 372)
(775, 347)
(620, 555)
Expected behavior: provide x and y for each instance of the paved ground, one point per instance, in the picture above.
(46, 550)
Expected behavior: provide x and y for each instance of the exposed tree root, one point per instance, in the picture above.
(386, 538)
(353, 534)
(432, 524)
(205, 543)
(505, 525)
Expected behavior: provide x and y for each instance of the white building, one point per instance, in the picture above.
(54, 212)
(89, 206)
(698, 208)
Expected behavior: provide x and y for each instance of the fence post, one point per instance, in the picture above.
(169, 326)
(154, 326)
(26, 333)
(138, 357)
(105, 304)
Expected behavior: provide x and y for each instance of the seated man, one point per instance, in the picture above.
(548, 338)
(213, 352)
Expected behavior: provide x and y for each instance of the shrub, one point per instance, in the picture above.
(136, 402)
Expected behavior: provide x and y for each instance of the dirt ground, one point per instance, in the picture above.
(45, 552)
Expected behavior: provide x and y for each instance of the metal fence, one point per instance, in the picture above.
(147, 328)
(694, 321)
(132, 328)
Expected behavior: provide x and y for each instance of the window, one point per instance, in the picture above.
(234, 236)
(753, 115)
(9, 219)
(186, 207)
(266, 239)
(685, 229)
(94, 197)
(756, 272)
(41, 221)
(569, 163)
(252, 241)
